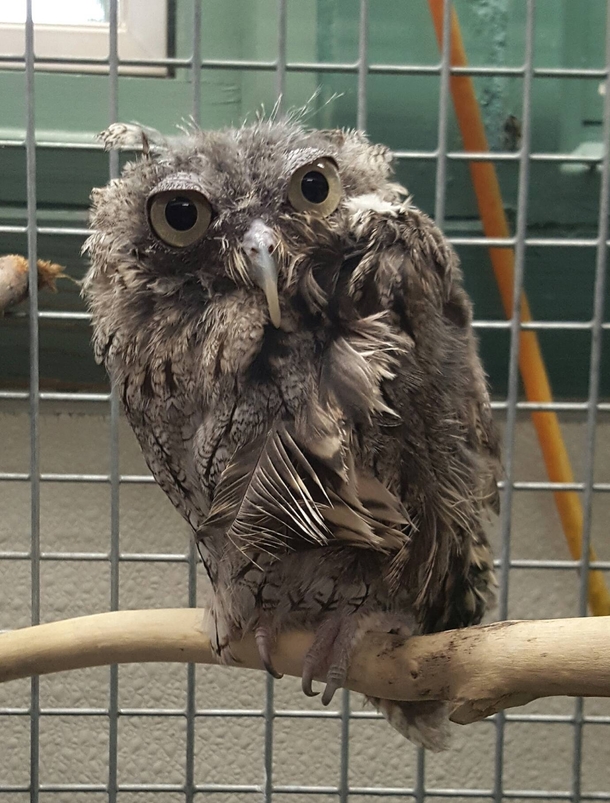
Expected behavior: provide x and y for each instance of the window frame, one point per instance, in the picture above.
(142, 36)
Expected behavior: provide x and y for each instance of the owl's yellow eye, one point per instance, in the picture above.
(316, 188)
(179, 217)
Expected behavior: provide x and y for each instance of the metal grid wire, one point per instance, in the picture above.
(510, 406)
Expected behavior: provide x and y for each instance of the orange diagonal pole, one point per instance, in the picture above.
(531, 362)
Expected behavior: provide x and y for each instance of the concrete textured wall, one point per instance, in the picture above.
(74, 749)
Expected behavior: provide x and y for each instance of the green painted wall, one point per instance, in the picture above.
(402, 112)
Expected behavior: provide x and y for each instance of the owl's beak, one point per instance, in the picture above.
(259, 243)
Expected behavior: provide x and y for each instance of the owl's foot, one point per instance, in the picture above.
(331, 652)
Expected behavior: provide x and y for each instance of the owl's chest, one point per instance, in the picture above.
(273, 381)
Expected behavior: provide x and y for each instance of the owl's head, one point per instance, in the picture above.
(239, 206)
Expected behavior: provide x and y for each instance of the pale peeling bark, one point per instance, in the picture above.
(478, 670)
(14, 279)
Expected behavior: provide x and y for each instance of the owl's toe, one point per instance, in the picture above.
(330, 654)
(332, 685)
(263, 636)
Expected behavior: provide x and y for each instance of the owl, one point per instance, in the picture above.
(293, 348)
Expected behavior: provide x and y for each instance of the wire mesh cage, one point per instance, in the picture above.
(83, 526)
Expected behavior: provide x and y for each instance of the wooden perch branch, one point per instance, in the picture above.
(479, 670)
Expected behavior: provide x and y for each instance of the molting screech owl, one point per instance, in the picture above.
(293, 348)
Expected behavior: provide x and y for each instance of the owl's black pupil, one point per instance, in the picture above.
(314, 187)
(181, 213)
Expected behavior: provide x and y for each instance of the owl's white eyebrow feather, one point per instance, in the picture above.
(371, 203)
(300, 156)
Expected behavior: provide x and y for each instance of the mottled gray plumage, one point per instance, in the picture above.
(303, 379)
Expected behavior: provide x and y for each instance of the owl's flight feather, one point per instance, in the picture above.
(294, 351)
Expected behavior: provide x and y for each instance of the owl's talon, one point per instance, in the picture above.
(329, 692)
(307, 677)
(309, 666)
(272, 670)
(335, 679)
(263, 638)
(306, 682)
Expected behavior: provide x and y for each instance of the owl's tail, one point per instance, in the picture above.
(425, 723)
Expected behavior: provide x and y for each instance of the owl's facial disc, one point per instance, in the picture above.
(259, 243)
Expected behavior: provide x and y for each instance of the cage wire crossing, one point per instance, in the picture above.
(272, 781)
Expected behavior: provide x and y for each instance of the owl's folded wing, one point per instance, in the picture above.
(290, 490)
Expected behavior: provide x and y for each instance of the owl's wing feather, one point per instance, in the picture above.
(264, 489)
(278, 492)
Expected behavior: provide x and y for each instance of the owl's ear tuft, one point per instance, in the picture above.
(335, 135)
(132, 136)
(346, 138)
